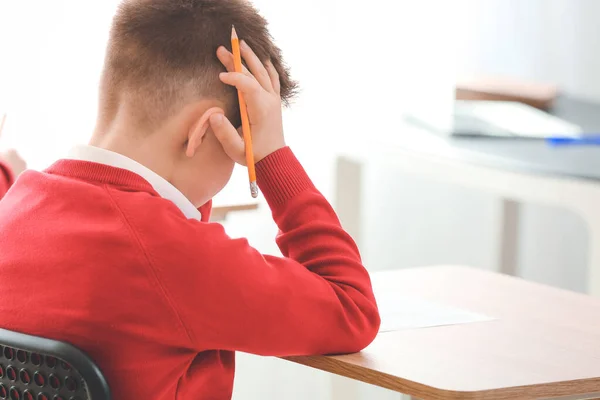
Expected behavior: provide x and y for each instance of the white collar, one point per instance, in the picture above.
(160, 184)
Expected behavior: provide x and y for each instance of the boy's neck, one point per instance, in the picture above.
(150, 150)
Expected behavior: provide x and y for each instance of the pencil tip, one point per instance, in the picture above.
(233, 32)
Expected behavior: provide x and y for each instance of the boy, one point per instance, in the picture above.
(107, 250)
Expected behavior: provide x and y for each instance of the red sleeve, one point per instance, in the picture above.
(6, 179)
(318, 299)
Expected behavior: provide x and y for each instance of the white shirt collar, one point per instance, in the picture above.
(160, 184)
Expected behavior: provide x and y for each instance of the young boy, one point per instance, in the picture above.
(107, 250)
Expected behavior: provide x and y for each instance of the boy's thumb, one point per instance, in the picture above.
(228, 136)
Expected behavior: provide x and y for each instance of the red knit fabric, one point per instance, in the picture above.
(6, 179)
(91, 255)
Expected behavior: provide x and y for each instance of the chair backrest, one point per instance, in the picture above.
(34, 368)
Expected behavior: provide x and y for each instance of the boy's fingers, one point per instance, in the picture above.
(275, 81)
(228, 136)
(226, 59)
(256, 67)
(248, 85)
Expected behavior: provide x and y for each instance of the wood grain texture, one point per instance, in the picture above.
(545, 342)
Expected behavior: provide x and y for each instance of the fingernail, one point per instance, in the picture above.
(222, 75)
(217, 118)
(245, 45)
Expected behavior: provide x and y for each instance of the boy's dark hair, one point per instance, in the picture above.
(162, 54)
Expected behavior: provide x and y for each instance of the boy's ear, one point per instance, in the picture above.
(198, 131)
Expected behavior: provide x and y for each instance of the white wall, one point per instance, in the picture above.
(548, 40)
(52, 53)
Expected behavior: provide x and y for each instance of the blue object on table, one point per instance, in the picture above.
(586, 140)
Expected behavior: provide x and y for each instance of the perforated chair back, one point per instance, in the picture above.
(33, 368)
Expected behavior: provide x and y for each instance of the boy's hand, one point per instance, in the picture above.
(16, 163)
(261, 89)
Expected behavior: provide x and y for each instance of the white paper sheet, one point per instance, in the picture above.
(402, 312)
(520, 120)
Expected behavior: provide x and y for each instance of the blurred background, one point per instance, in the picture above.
(361, 66)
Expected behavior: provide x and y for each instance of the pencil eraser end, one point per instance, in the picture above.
(254, 190)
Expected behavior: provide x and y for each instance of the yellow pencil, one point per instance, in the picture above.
(237, 61)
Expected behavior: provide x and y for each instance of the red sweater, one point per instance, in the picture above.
(93, 256)
(6, 179)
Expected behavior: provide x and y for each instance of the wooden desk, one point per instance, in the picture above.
(545, 342)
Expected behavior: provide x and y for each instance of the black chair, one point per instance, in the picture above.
(33, 368)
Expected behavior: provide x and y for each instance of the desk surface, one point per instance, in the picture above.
(524, 155)
(545, 342)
